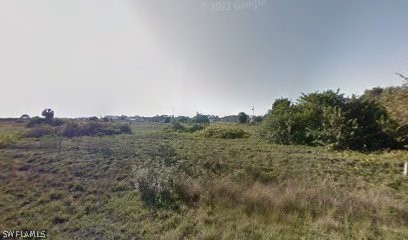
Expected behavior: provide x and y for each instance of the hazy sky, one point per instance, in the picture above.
(98, 57)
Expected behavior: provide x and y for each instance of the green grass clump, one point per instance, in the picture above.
(226, 132)
(8, 139)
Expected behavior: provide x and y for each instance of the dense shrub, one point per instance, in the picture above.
(93, 128)
(227, 132)
(77, 129)
(195, 127)
(156, 191)
(330, 119)
(394, 99)
(41, 131)
(35, 121)
(177, 127)
(256, 119)
(183, 119)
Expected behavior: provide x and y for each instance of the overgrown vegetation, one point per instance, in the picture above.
(176, 126)
(76, 129)
(330, 119)
(153, 184)
(224, 131)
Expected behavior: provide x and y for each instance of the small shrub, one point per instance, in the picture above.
(8, 140)
(156, 191)
(177, 127)
(35, 121)
(256, 119)
(125, 129)
(227, 132)
(195, 128)
(41, 131)
(70, 129)
(188, 191)
(94, 128)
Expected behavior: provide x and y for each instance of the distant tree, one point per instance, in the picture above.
(202, 119)
(48, 114)
(94, 118)
(167, 120)
(183, 119)
(243, 117)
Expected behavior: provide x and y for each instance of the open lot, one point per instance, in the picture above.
(157, 184)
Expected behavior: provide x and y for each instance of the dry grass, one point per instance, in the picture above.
(214, 188)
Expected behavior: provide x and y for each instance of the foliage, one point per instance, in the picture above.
(48, 114)
(167, 120)
(156, 191)
(195, 127)
(243, 117)
(41, 131)
(177, 127)
(7, 140)
(394, 99)
(183, 119)
(226, 132)
(330, 119)
(35, 121)
(77, 129)
(201, 119)
(256, 119)
(94, 128)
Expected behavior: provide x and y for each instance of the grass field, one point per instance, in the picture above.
(156, 184)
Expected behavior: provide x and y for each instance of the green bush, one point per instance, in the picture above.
(94, 128)
(41, 131)
(77, 129)
(35, 121)
(177, 127)
(256, 119)
(183, 119)
(195, 127)
(330, 119)
(201, 119)
(243, 117)
(7, 140)
(226, 132)
(155, 191)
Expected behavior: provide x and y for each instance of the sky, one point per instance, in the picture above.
(99, 57)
